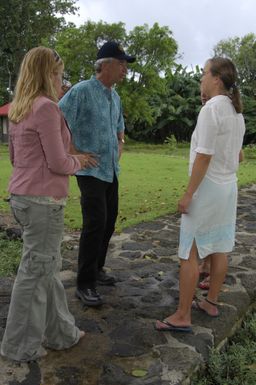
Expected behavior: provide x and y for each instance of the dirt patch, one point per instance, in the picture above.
(7, 220)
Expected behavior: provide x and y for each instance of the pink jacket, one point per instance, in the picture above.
(39, 146)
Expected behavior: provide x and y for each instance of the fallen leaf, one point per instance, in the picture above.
(139, 372)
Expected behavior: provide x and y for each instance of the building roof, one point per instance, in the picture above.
(4, 109)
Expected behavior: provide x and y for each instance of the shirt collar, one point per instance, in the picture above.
(218, 97)
(100, 85)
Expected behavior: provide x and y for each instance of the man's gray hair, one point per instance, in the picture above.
(98, 63)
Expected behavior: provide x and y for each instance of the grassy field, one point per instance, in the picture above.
(151, 181)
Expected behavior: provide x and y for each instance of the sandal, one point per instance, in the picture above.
(203, 275)
(196, 305)
(205, 284)
(167, 326)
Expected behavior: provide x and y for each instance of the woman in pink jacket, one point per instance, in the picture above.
(39, 143)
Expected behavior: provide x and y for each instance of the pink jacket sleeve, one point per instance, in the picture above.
(11, 150)
(55, 140)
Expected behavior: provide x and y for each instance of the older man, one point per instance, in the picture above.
(93, 111)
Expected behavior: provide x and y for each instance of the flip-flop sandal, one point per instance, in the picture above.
(195, 305)
(203, 275)
(172, 328)
(205, 284)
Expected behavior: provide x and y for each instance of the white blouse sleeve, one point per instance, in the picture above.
(207, 131)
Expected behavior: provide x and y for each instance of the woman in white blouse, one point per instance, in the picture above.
(209, 204)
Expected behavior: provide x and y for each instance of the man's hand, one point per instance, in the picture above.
(120, 146)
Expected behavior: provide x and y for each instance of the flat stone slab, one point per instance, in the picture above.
(121, 346)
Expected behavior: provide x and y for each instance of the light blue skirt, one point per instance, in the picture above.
(211, 220)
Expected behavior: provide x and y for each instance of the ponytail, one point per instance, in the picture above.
(235, 97)
(226, 70)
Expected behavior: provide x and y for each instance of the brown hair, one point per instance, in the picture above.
(34, 80)
(226, 70)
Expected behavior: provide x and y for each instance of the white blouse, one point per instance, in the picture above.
(219, 132)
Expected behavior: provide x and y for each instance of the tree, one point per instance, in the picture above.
(155, 51)
(249, 113)
(180, 106)
(24, 24)
(242, 51)
(78, 46)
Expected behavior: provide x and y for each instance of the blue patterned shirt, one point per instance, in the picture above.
(94, 115)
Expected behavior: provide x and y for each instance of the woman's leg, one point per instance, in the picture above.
(26, 318)
(204, 267)
(189, 274)
(35, 284)
(60, 330)
(219, 265)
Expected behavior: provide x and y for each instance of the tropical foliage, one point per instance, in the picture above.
(242, 50)
(160, 98)
(23, 25)
(142, 91)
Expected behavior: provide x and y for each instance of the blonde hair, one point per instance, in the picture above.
(35, 79)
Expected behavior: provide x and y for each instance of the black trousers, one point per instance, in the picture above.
(99, 204)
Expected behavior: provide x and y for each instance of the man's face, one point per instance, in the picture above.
(117, 70)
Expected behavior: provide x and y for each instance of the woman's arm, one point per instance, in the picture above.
(11, 149)
(241, 156)
(199, 170)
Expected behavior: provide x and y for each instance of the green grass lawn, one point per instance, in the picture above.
(151, 181)
(149, 187)
(5, 170)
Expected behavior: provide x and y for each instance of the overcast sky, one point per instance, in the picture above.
(197, 25)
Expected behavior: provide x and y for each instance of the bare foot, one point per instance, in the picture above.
(81, 334)
(43, 354)
(207, 307)
(177, 320)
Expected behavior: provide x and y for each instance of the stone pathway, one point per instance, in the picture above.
(121, 346)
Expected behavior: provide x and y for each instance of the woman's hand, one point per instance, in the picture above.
(241, 156)
(199, 170)
(87, 160)
(184, 203)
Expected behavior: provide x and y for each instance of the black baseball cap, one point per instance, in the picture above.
(115, 50)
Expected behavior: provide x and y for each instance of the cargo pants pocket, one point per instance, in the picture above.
(40, 264)
(20, 212)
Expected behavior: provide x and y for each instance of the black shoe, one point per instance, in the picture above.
(104, 279)
(89, 296)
